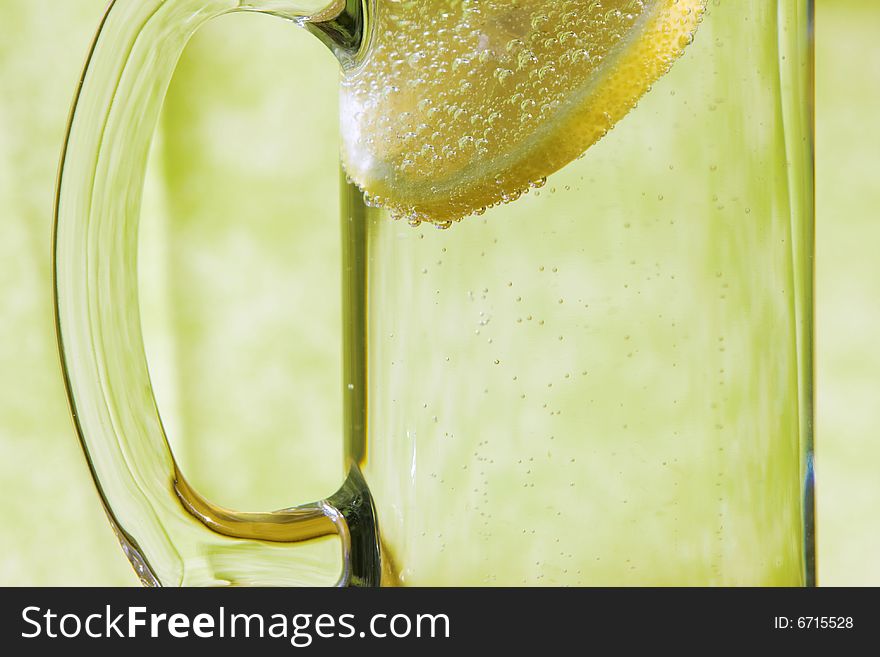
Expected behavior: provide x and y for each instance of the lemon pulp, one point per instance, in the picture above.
(464, 104)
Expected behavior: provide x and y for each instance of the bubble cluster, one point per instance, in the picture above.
(461, 105)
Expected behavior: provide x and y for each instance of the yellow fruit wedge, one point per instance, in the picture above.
(464, 104)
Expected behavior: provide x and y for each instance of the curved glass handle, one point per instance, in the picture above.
(171, 535)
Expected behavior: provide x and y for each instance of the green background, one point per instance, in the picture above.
(249, 132)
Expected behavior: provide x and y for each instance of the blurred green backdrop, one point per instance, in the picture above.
(241, 204)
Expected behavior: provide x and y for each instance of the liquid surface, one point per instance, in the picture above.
(464, 104)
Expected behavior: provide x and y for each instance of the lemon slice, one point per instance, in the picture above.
(464, 104)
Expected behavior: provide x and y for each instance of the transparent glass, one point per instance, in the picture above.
(608, 381)
(605, 382)
(171, 533)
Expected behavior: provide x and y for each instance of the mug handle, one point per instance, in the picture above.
(171, 534)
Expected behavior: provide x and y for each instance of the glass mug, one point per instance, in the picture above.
(605, 382)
